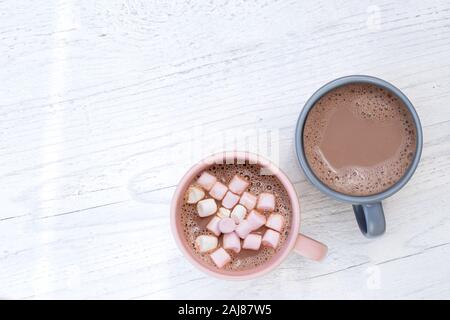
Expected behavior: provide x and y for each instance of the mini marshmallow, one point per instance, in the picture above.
(232, 242)
(248, 200)
(238, 214)
(206, 208)
(220, 258)
(275, 222)
(207, 181)
(252, 242)
(206, 243)
(194, 194)
(238, 184)
(266, 202)
(244, 229)
(230, 200)
(223, 213)
(256, 220)
(227, 225)
(218, 191)
(213, 226)
(271, 239)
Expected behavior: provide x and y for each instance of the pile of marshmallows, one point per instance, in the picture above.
(236, 218)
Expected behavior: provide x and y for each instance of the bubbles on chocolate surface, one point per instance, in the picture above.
(367, 102)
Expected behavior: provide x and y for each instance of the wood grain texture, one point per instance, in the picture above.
(104, 106)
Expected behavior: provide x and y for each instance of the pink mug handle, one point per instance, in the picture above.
(310, 248)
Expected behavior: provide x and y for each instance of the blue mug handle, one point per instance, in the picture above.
(370, 218)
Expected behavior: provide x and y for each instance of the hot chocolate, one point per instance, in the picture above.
(257, 193)
(359, 139)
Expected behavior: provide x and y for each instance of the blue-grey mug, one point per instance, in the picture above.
(368, 209)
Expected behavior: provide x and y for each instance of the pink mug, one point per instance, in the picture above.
(299, 243)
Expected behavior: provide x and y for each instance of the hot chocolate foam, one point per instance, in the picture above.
(194, 226)
(359, 139)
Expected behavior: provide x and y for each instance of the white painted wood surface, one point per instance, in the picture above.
(99, 103)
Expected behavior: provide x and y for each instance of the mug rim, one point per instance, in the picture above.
(310, 103)
(281, 176)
